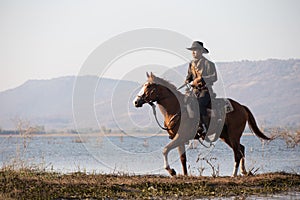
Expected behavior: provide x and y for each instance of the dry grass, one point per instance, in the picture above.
(290, 136)
(28, 184)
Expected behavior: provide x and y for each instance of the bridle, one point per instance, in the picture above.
(151, 103)
(144, 98)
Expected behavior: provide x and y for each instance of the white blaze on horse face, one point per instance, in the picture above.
(141, 92)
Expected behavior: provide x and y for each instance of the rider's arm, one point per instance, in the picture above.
(211, 74)
(189, 76)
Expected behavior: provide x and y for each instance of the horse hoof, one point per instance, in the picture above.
(172, 172)
(245, 173)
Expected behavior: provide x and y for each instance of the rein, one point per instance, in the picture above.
(166, 128)
(173, 117)
(154, 111)
(162, 127)
(201, 142)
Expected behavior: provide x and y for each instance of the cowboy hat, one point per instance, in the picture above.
(198, 45)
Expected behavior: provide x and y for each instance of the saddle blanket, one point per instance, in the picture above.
(226, 103)
(228, 106)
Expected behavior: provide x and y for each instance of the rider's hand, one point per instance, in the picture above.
(199, 82)
(193, 84)
(196, 83)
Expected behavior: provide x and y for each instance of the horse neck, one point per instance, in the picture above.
(169, 104)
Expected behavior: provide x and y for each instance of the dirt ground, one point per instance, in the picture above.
(30, 184)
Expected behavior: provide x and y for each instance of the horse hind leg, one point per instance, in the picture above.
(235, 146)
(237, 158)
(242, 162)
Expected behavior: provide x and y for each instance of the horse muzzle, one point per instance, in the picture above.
(138, 102)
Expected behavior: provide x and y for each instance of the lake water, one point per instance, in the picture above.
(141, 155)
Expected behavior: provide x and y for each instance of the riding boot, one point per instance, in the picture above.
(204, 127)
(201, 130)
(206, 121)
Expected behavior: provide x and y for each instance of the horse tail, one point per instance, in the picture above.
(253, 126)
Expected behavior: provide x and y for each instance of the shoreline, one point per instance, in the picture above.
(117, 134)
(85, 135)
(30, 184)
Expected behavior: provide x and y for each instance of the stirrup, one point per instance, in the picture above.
(201, 132)
(203, 129)
(202, 136)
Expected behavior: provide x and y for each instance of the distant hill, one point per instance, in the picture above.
(40, 101)
(50, 102)
(270, 88)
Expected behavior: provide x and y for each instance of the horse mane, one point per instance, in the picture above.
(165, 83)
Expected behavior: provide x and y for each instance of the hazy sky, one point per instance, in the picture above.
(46, 39)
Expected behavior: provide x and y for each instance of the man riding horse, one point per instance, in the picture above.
(202, 73)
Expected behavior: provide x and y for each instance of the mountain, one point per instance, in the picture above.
(270, 88)
(41, 101)
(51, 102)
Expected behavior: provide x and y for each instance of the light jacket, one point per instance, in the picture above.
(202, 70)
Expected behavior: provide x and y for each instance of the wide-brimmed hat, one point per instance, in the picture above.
(198, 45)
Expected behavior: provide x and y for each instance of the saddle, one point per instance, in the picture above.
(217, 110)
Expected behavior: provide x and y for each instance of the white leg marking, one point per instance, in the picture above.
(242, 166)
(165, 153)
(235, 170)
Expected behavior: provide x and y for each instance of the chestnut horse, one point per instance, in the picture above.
(182, 128)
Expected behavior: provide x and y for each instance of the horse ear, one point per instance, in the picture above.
(151, 74)
(147, 75)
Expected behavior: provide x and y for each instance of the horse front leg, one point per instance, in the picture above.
(166, 151)
(173, 144)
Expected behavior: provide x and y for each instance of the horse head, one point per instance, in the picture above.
(149, 92)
